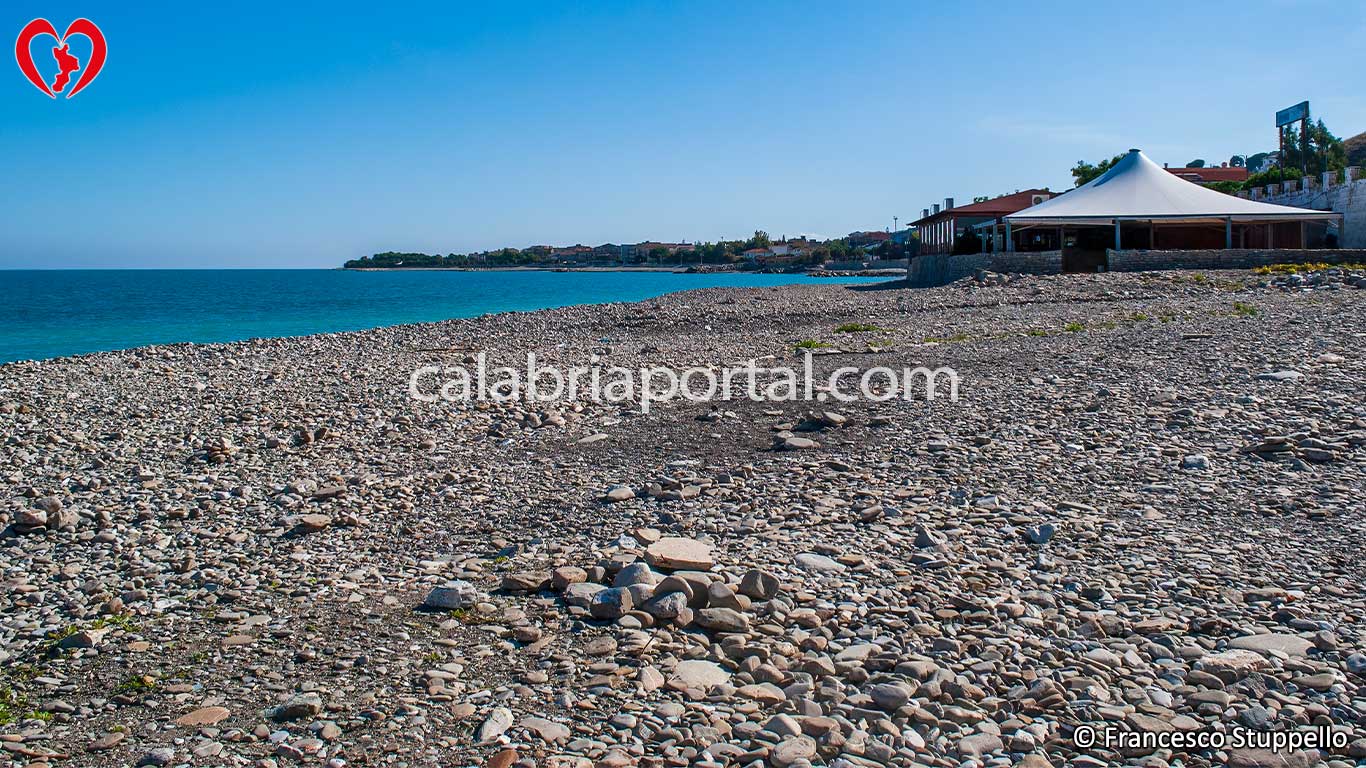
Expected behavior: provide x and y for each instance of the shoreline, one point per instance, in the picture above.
(675, 270)
(844, 279)
(686, 270)
(586, 580)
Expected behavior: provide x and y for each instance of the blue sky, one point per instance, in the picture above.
(294, 134)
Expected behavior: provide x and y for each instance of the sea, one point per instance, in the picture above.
(55, 313)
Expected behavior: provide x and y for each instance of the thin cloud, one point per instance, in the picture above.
(1059, 133)
(1071, 134)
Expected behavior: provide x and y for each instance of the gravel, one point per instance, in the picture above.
(1144, 514)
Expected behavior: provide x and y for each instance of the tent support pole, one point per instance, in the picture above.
(1117, 242)
(1228, 233)
(1010, 241)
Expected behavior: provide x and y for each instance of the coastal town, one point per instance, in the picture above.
(756, 253)
(1317, 173)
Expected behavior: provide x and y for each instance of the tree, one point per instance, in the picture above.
(1227, 187)
(1257, 162)
(1273, 175)
(1237, 161)
(1196, 163)
(760, 239)
(1084, 172)
(1313, 152)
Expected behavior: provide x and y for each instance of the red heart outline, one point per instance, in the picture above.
(24, 57)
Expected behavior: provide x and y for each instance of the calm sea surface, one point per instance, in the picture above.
(51, 313)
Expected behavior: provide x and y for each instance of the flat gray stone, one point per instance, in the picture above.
(453, 596)
(699, 673)
(1290, 645)
(674, 553)
(811, 561)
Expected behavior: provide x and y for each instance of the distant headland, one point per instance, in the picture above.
(759, 252)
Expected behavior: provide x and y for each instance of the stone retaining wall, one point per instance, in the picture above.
(1324, 195)
(931, 269)
(1037, 263)
(1244, 258)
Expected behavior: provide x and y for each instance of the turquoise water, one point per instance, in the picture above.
(52, 313)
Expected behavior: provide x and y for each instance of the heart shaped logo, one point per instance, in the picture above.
(67, 63)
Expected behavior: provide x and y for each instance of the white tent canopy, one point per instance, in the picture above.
(1137, 189)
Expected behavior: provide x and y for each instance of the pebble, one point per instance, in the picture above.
(498, 721)
(673, 553)
(915, 583)
(456, 595)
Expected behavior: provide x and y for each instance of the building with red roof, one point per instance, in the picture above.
(1210, 175)
(940, 228)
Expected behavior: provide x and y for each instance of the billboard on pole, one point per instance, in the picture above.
(1292, 114)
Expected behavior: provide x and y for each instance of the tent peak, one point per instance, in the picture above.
(1137, 189)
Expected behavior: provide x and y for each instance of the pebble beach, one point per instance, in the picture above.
(1144, 515)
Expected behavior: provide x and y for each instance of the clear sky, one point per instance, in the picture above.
(297, 134)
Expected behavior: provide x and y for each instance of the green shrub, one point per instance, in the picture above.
(857, 328)
(1272, 176)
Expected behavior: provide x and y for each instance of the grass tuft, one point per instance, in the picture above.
(811, 344)
(11, 704)
(136, 684)
(1290, 269)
